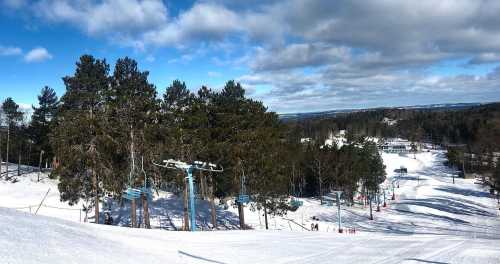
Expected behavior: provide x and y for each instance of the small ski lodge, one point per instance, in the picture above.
(396, 146)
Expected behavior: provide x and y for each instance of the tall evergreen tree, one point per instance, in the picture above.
(12, 118)
(177, 109)
(79, 138)
(132, 106)
(41, 120)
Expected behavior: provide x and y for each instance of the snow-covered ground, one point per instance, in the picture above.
(432, 220)
(427, 202)
(25, 238)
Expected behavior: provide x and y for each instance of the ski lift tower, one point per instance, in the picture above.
(338, 193)
(189, 168)
(330, 198)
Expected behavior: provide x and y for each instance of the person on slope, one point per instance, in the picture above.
(108, 220)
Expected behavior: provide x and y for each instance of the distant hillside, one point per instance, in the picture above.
(333, 113)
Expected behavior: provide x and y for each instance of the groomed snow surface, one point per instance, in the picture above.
(432, 220)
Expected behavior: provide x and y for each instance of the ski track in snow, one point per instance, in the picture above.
(432, 220)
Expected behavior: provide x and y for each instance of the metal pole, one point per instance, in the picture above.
(191, 198)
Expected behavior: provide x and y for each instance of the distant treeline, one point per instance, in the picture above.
(477, 127)
(470, 132)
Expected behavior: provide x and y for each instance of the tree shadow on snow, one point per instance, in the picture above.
(446, 205)
(464, 192)
(426, 261)
(198, 257)
(168, 213)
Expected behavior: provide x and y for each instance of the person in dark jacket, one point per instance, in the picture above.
(108, 220)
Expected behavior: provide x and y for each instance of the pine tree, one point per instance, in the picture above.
(78, 137)
(12, 117)
(176, 113)
(131, 109)
(41, 121)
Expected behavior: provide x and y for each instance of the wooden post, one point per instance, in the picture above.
(133, 213)
(146, 211)
(241, 213)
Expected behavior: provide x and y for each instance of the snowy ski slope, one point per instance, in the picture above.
(432, 220)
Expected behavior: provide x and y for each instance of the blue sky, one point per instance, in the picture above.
(295, 56)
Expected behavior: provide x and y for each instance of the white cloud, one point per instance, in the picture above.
(328, 53)
(37, 55)
(117, 18)
(204, 21)
(10, 51)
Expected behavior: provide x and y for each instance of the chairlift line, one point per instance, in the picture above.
(188, 168)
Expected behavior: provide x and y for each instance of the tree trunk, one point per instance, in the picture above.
(145, 209)
(320, 183)
(241, 213)
(94, 179)
(378, 202)
(371, 210)
(40, 165)
(19, 165)
(7, 156)
(133, 213)
(203, 186)
(186, 204)
(212, 204)
(265, 218)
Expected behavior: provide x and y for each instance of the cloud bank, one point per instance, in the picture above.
(315, 55)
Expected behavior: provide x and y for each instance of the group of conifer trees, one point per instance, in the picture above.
(109, 129)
